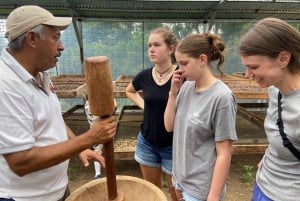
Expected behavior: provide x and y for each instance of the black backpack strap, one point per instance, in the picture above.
(286, 142)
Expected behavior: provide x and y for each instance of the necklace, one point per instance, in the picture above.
(161, 76)
(162, 73)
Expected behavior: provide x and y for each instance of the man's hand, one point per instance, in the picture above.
(87, 155)
(103, 130)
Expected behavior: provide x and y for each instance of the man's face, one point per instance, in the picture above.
(50, 47)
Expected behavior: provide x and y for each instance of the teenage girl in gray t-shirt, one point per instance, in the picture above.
(202, 115)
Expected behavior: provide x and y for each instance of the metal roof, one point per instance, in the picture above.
(186, 10)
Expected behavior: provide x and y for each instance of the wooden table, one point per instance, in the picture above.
(73, 86)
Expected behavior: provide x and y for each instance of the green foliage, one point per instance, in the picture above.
(248, 173)
(125, 43)
(72, 172)
(165, 183)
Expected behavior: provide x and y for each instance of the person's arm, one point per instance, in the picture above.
(170, 111)
(87, 154)
(38, 158)
(259, 164)
(222, 166)
(70, 132)
(134, 96)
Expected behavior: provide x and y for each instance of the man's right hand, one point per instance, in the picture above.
(103, 130)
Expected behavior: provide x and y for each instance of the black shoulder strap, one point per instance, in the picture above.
(286, 142)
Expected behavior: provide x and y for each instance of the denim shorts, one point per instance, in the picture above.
(148, 155)
(258, 195)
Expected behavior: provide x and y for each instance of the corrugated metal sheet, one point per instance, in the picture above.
(164, 10)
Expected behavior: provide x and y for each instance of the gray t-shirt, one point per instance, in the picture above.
(279, 175)
(202, 118)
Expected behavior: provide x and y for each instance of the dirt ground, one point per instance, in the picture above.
(239, 184)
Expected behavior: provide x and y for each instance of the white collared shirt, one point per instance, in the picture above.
(30, 117)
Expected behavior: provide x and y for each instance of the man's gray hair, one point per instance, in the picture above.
(18, 42)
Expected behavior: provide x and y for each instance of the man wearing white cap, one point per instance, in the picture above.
(35, 144)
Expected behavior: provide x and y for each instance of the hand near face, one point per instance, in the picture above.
(177, 81)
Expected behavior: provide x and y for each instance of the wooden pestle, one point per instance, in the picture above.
(99, 86)
(101, 100)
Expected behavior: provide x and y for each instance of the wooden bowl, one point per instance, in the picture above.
(131, 188)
